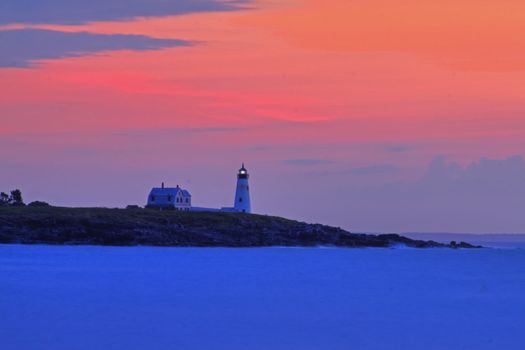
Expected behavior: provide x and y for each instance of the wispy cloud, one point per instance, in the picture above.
(307, 161)
(161, 132)
(400, 148)
(82, 11)
(374, 169)
(25, 47)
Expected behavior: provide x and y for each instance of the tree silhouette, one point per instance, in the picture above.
(16, 197)
(4, 198)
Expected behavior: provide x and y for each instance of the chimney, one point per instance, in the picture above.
(163, 185)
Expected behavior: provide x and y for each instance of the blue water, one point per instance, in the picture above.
(273, 298)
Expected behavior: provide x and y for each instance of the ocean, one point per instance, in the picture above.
(83, 297)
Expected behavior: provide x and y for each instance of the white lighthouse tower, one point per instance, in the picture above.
(242, 194)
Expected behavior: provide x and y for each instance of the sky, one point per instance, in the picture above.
(374, 116)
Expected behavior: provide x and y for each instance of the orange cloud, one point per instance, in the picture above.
(464, 34)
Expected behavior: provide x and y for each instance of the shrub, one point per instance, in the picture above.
(38, 204)
(4, 198)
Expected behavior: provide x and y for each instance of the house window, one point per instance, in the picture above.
(187, 200)
(153, 198)
(240, 199)
(169, 198)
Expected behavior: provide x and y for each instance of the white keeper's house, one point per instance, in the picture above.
(169, 198)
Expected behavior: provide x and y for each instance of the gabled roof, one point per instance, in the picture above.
(165, 191)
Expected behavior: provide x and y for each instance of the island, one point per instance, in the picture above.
(138, 226)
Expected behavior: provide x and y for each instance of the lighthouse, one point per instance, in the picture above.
(242, 193)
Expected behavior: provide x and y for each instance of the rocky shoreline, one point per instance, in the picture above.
(131, 227)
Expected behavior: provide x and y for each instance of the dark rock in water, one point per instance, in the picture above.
(454, 244)
(124, 227)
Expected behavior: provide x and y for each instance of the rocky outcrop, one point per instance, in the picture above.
(126, 227)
